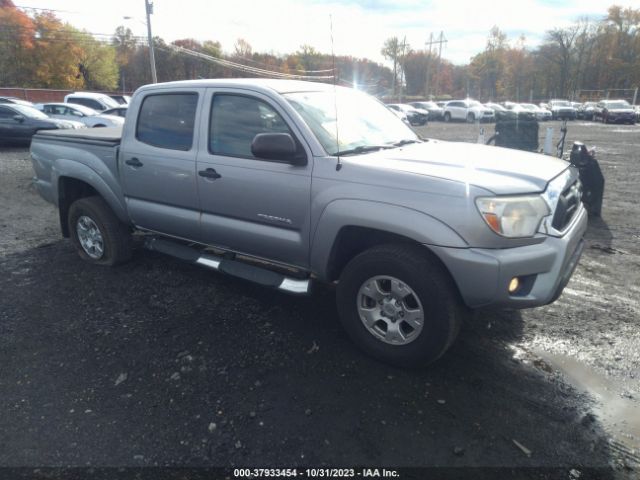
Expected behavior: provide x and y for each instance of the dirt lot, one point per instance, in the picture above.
(162, 363)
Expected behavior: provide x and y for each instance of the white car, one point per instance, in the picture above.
(541, 114)
(96, 101)
(468, 110)
(80, 113)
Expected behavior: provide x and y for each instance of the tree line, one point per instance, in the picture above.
(587, 55)
(42, 51)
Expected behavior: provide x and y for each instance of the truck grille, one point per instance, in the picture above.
(568, 206)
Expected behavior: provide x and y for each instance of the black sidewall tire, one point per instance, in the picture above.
(115, 235)
(447, 117)
(433, 286)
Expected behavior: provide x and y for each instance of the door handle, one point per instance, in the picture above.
(134, 162)
(209, 173)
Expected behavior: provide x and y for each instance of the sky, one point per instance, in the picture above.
(360, 27)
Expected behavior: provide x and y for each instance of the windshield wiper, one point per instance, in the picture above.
(361, 149)
(405, 142)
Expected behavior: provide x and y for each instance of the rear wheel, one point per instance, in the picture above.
(97, 233)
(399, 305)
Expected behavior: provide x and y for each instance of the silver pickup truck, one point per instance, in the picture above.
(285, 182)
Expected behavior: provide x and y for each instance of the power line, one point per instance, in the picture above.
(245, 68)
(24, 7)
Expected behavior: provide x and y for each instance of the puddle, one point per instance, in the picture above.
(619, 416)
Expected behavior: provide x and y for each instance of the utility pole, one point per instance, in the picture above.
(440, 41)
(149, 8)
(404, 45)
(426, 73)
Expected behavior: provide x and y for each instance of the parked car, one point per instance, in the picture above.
(562, 110)
(96, 101)
(468, 110)
(411, 232)
(587, 111)
(80, 113)
(120, 111)
(18, 123)
(400, 114)
(16, 100)
(614, 111)
(415, 116)
(496, 107)
(121, 99)
(541, 114)
(435, 112)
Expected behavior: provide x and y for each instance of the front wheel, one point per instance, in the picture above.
(471, 118)
(447, 117)
(97, 233)
(399, 305)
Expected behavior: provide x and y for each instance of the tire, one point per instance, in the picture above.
(112, 243)
(447, 116)
(471, 117)
(433, 295)
(99, 126)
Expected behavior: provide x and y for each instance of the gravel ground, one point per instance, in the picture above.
(162, 363)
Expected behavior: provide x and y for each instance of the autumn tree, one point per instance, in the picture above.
(17, 32)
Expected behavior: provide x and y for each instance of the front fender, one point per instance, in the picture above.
(386, 217)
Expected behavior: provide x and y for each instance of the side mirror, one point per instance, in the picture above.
(276, 146)
(18, 118)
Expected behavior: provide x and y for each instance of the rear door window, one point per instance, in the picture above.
(167, 120)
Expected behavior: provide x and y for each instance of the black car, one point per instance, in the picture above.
(586, 111)
(614, 111)
(435, 112)
(118, 111)
(18, 123)
(15, 100)
(122, 99)
(414, 115)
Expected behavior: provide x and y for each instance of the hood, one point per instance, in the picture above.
(620, 110)
(113, 118)
(68, 123)
(502, 171)
(58, 123)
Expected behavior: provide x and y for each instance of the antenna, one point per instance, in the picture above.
(335, 100)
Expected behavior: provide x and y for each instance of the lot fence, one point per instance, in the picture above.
(42, 95)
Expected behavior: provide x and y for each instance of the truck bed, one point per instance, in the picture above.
(110, 136)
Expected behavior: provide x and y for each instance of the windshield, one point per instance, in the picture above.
(363, 121)
(528, 106)
(474, 103)
(28, 111)
(561, 103)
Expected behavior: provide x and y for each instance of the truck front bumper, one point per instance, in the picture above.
(483, 275)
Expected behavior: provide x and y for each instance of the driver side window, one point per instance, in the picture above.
(236, 120)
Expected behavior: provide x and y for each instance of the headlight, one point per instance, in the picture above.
(513, 216)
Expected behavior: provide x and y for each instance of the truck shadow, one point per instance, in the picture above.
(599, 234)
(159, 362)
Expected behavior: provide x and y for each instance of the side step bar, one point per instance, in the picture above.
(242, 270)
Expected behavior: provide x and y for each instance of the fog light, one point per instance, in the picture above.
(514, 284)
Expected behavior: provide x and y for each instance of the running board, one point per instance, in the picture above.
(237, 269)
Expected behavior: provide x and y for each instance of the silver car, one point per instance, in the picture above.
(80, 113)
